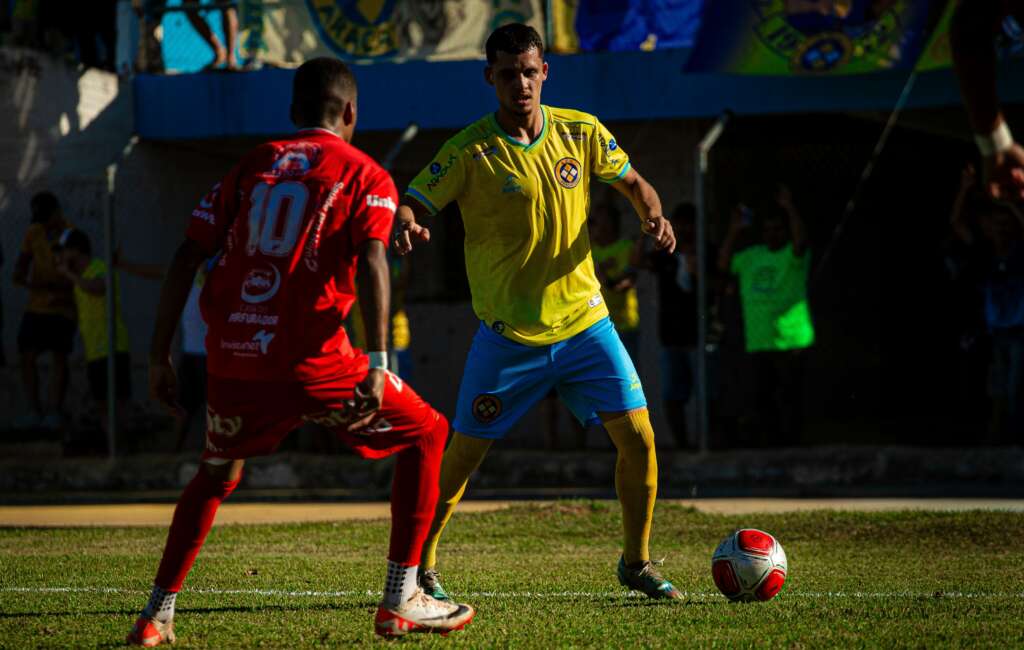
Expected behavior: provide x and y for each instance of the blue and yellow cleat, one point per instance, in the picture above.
(430, 583)
(643, 577)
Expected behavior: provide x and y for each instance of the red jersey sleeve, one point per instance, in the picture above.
(374, 211)
(212, 218)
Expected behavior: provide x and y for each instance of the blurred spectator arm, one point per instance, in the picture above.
(177, 285)
(958, 219)
(736, 226)
(150, 271)
(784, 198)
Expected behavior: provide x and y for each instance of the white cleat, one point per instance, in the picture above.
(422, 613)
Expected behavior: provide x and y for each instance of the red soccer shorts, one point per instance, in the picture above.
(251, 418)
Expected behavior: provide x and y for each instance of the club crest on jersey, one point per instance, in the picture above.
(486, 408)
(261, 284)
(295, 159)
(567, 172)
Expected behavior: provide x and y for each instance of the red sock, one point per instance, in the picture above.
(414, 493)
(193, 518)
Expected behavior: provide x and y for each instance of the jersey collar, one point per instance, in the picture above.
(517, 143)
(319, 129)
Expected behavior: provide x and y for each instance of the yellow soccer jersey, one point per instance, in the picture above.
(525, 211)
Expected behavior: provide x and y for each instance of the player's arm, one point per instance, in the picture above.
(736, 226)
(373, 279)
(974, 25)
(173, 295)
(409, 226)
(644, 199)
(784, 198)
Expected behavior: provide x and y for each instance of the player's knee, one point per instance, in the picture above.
(437, 435)
(224, 469)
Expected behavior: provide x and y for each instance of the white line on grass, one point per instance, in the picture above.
(527, 595)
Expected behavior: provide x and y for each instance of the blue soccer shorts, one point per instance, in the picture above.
(591, 371)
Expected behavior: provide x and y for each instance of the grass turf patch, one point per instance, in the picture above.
(540, 576)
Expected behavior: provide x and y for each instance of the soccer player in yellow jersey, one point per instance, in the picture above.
(521, 177)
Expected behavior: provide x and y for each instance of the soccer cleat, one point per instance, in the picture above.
(430, 582)
(149, 632)
(646, 579)
(421, 613)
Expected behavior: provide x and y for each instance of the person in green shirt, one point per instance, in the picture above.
(89, 276)
(772, 278)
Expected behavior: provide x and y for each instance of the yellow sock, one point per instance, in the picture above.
(462, 457)
(636, 479)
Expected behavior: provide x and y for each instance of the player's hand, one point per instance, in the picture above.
(367, 398)
(660, 229)
(163, 386)
(1003, 174)
(409, 232)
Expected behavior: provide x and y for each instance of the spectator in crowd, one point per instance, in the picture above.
(192, 364)
(401, 338)
(676, 275)
(612, 260)
(994, 263)
(151, 60)
(49, 321)
(88, 274)
(777, 321)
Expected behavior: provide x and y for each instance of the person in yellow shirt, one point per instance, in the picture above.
(89, 276)
(612, 261)
(521, 178)
(48, 324)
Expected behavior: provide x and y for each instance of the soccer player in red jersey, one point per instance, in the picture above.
(296, 222)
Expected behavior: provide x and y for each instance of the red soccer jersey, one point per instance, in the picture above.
(288, 220)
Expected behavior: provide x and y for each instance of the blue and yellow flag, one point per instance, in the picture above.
(784, 37)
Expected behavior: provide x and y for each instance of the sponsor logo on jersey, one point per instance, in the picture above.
(612, 145)
(204, 211)
(336, 419)
(264, 338)
(483, 153)
(261, 284)
(295, 159)
(364, 29)
(567, 172)
(374, 201)
(486, 408)
(595, 300)
(309, 253)
(439, 171)
(574, 137)
(247, 318)
(511, 185)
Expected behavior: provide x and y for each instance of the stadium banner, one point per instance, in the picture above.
(285, 33)
(786, 37)
(288, 33)
(600, 26)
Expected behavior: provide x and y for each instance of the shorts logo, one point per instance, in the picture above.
(486, 408)
(498, 327)
(567, 172)
(220, 425)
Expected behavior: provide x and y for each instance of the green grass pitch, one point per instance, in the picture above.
(541, 576)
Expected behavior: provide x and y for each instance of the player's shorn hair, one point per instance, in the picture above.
(320, 90)
(514, 38)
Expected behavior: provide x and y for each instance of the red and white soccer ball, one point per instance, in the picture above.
(749, 565)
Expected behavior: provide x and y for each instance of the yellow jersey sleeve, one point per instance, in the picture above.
(440, 182)
(608, 162)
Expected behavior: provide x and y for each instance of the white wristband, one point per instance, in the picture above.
(998, 141)
(378, 360)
